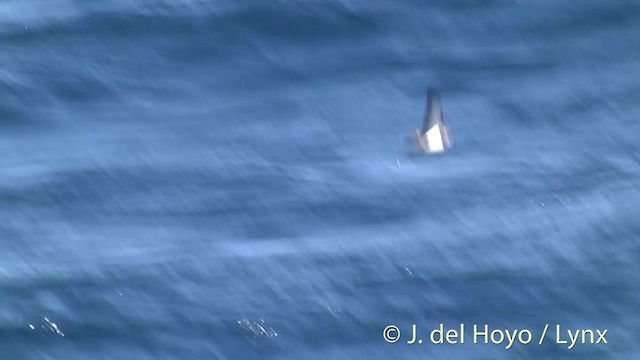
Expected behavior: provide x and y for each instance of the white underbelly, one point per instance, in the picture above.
(434, 139)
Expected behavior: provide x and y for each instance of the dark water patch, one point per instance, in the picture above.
(500, 65)
(313, 24)
(473, 7)
(601, 101)
(108, 25)
(77, 87)
(11, 115)
(20, 106)
(578, 22)
(320, 23)
(248, 113)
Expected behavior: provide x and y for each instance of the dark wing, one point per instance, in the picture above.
(433, 113)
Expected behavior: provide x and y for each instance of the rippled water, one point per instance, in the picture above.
(229, 180)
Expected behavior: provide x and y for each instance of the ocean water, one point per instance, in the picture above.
(229, 179)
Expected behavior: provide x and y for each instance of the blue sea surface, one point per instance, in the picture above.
(184, 179)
